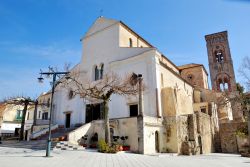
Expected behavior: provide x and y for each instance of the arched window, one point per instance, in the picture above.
(70, 94)
(157, 145)
(190, 77)
(130, 43)
(224, 85)
(96, 73)
(219, 57)
(101, 71)
(221, 87)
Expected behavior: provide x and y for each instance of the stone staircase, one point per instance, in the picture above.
(57, 134)
(33, 144)
(65, 145)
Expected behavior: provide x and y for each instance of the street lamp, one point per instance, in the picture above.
(139, 77)
(54, 74)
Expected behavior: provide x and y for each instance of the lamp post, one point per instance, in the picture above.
(139, 77)
(140, 121)
(54, 74)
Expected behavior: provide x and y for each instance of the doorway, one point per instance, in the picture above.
(26, 135)
(67, 120)
(94, 112)
(200, 144)
(157, 149)
(133, 110)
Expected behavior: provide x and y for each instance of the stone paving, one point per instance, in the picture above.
(12, 157)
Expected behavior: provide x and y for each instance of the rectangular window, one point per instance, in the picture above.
(133, 109)
(19, 115)
(203, 110)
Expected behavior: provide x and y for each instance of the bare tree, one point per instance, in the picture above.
(101, 91)
(245, 71)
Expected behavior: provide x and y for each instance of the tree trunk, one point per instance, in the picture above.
(248, 121)
(106, 122)
(34, 116)
(21, 135)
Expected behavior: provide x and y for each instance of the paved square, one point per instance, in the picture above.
(13, 157)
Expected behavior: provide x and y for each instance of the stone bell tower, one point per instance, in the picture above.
(220, 62)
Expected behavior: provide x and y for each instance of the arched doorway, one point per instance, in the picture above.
(157, 146)
(200, 144)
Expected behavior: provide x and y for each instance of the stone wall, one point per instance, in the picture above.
(171, 134)
(228, 136)
(121, 127)
(190, 134)
(206, 133)
(175, 102)
(154, 135)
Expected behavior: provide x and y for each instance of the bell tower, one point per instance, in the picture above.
(220, 62)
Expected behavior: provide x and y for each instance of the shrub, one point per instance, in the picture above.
(105, 148)
(242, 131)
(102, 145)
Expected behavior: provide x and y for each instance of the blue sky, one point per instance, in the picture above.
(37, 34)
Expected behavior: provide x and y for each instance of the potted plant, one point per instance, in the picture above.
(94, 140)
(115, 138)
(84, 139)
(125, 147)
(105, 148)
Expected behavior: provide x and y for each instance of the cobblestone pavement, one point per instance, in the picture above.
(12, 157)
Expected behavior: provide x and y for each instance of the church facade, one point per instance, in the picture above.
(178, 116)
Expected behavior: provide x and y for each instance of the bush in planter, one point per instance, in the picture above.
(84, 140)
(104, 148)
(242, 131)
(125, 147)
(123, 138)
(115, 138)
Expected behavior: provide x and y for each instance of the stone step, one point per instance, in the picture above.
(35, 145)
(64, 145)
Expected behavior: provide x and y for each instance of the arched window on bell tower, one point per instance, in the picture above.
(219, 57)
(223, 85)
